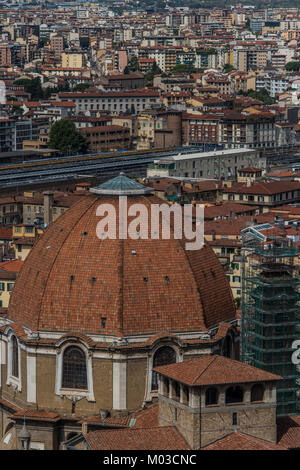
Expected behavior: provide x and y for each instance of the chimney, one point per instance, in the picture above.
(48, 204)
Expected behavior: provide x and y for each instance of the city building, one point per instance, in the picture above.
(221, 164)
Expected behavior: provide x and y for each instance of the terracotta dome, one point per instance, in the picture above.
(73, 281)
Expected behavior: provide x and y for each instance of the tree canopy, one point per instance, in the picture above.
(81, 86)
(31, 86)
(184, 68)
(65, 138)
(261, 95)
(292, 66)
(133, 65)
(228, 68)
(155, 70)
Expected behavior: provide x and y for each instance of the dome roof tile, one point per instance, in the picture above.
(72, 280)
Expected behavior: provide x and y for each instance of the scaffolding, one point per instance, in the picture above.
(270, 313)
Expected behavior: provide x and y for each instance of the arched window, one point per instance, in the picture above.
(14, 357)
(234, 395)
(211, 396)
(257, 392)
(74, 368)
(162, 357)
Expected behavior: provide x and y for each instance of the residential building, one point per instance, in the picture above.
(115, 102)
(106, 138)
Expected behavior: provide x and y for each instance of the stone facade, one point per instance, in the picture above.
(202, 424)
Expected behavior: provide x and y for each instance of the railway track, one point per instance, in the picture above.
(67, 168)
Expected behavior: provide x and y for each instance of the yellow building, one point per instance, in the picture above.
(8, 274)
(24, 237)
(146, 124)
(72, 59)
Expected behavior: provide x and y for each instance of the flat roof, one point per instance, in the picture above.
(217, 153)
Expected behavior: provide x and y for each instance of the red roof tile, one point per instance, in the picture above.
(142, 293)
(241, 441)
(213, 370)
(12, 266)
(158, 438)
(270, 187)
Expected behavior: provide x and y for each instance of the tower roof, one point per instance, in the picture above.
(121, 186)
(215, 370)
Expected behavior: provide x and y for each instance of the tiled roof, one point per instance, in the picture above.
(161, 184)
(224, 242)
(270, 187)
(109, 94)
(213, 370)
(109, 421)
(225, 227)
(250, 168)
(284, 210)
(109, 128)
(5, 233)
(24, 241)
(60, 199)
(146, 418)
(137, 285)
(226, 209)
(158, 438)
(43, 415)
(205, 185)
(12, 266)
(241, 441)
(288, 431)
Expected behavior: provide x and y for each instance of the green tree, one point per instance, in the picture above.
(31, 86)
(42, 42)
(292, 66)
(228, 68)
(155, 69)
(16, 109)
(133, 64)
(84, 42)
(65, 137)
(184, 68)
(81, 86)
(261, 95)
(248, 24)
